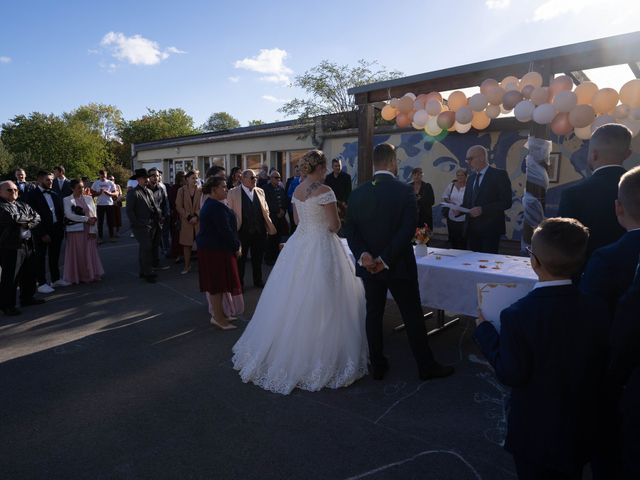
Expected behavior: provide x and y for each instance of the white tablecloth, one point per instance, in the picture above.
(448, 278)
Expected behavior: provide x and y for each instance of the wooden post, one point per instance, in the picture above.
(365, 142)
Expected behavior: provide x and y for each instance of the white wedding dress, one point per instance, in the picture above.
(308, 329)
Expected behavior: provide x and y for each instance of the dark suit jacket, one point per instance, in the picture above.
(142, 210)
(381, 220)
(592, 201)
(610, 269)
(494, 196)
(552, 351)
(35, 198)
(341, 186)
(65, 191)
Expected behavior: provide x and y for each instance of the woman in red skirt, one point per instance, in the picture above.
(218, 248)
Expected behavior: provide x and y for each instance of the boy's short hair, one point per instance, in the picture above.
(560, 245)
(629, 193)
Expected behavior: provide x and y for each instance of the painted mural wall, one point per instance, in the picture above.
(440, 159)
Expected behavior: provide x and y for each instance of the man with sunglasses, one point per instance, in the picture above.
(17, 219)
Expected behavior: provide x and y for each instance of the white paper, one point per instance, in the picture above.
(495, 297)
(455, 207)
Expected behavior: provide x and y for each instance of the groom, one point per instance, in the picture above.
(381, 220)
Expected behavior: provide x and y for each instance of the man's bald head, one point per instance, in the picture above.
(609, 145)
(8, 191)
(477, 157)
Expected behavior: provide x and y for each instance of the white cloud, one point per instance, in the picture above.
(271, 98)
(136, 49)
(234, 79)
(497, 4)
(555, 8)
(270, 62)
(4, 59)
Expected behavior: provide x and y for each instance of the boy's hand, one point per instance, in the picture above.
(480, 318)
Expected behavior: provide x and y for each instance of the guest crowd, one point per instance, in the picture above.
(569, 349)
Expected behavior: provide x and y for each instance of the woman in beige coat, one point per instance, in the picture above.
(188, 207)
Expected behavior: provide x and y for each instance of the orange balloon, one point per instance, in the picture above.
(561, 83)
(456, 100)
(531, 78)
(630, 93)
(403, 120)
(388, 112)
(585, 92)
(433, 96)
(405, 104)
(561, 124)
(605, 100)
(480, 120)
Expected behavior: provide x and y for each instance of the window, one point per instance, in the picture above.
(253, 161)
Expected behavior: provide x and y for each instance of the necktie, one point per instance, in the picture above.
(48, 192)
(476, 187)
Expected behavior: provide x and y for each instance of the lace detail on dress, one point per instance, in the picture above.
(326, 198)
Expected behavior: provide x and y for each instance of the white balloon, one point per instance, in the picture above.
(544, 114)
(410, 95)
(564, 101)
(583, 133)
(432, 127)
(462, 128)
(420, 118)
(523, 111)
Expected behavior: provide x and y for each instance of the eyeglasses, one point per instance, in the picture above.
(530, 252)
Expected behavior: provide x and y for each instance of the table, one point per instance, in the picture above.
(447, 278)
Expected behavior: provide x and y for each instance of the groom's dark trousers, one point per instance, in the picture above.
(381, 220)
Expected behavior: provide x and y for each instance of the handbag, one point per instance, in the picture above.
(445, 210)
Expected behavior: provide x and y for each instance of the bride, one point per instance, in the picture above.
(308, 329)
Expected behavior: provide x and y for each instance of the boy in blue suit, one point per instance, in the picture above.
(552, 351)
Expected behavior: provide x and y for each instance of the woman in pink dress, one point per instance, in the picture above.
(81, 260)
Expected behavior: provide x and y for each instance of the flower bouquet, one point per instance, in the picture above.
(421, 238)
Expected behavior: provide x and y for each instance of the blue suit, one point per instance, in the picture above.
(552, 351)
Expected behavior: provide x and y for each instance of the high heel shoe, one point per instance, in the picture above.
(222, 327)
(231, 319)
(185, 271)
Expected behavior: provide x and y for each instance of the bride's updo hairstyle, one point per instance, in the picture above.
(311, 161)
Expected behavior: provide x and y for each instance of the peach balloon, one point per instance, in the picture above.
(602, 120)
(630, 93)
(540, 95)
(531, 78)
(621, 111)
(412, 96)
(511, 99)
(583, 133)
(433, 107)
(462, 128)
(420, 118)
(561, 124)
(494, 95)
(585, 92)
(493, 111)
(446, 120)
(403, 120)
(405, 105)
(510, 83)
(564, 101)
(464, 115)
(605, 100)
(523, 111)
(456, 100)
(561, 83)
(418, 104)
(433, 96)
(582, 115)
(388, 112)
(527, 90)
(480, 120)
(488, 84)
(544, 114)
(394, 102)
(478, 102)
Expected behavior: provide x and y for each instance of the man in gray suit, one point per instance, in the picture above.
(144, 217)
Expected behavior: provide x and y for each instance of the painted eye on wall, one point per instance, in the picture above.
(445, 164)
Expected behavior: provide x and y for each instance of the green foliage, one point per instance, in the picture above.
(105, 120)
(6, 159)
(326, 86)
(220, 121)
(156, 125)
(255, 122)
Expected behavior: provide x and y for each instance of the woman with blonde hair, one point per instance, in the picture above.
(188, 207)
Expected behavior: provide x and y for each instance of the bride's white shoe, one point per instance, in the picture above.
(220, 326)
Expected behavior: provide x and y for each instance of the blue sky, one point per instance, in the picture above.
(239, 57)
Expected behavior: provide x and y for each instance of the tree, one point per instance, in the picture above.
(326, 86)
(6, 160)
(220, 121)
(102, 119)
(255, 122)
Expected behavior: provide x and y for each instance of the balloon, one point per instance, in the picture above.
(582, 115)
(456, 100)
(511, 99)
(432, 127)
(403, 120)
(523, 111)
(564, 101)
(602, 120)
(462, 128)
(585, 92)
(488, 84)
(464, 115)
(433, 96)
(630, 93)
(502, 110)
(416, 126)
(494, 95)
(394, 102)
(561, 124)
(478, 102)
(445, 120)
(410, 95)
(561, 83)
(531, 78)
(510, 83)
(405, 104)
(418, 103)
(583, 133)
(621, 111)
(420, 119)
(527, 90)
(634, 114)
(480, 120)
(605, 100)
(493, 111)
(633, 125)
(433, 107)
(540, 95)
(544, 114)
(388, 112)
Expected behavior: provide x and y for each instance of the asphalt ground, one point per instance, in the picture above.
(123, 379)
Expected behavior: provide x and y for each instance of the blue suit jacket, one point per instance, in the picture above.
(552, 351)
(610, 269)
(381, 220)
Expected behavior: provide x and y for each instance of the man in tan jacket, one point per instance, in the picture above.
(252, 213)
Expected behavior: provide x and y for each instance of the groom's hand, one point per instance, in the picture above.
(366, 260)
(377, 267)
